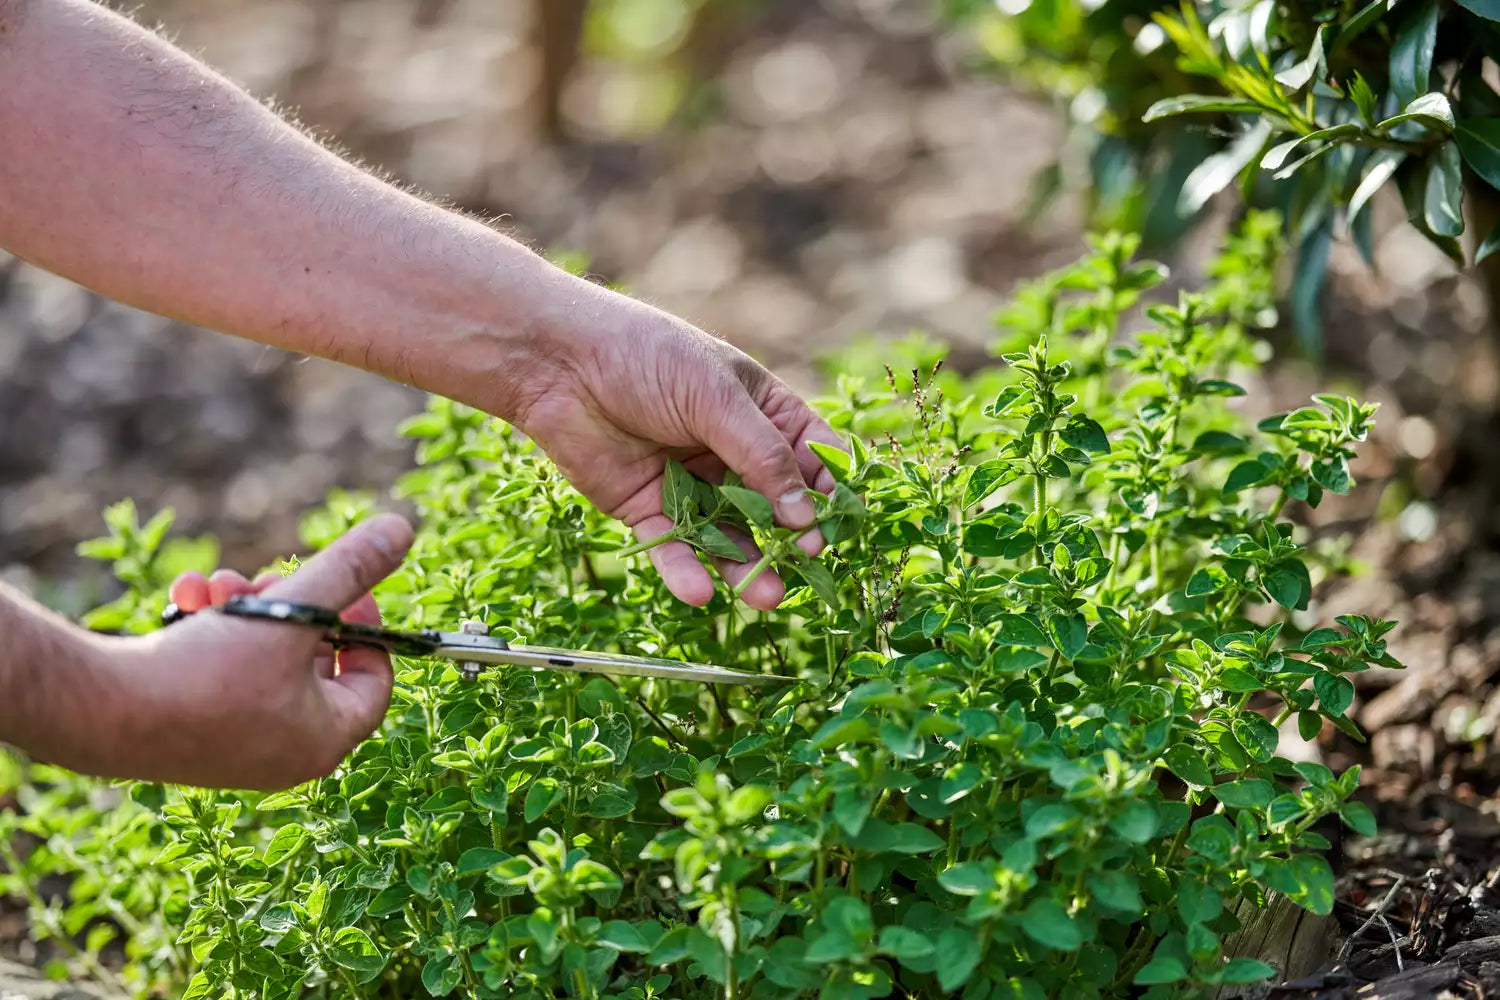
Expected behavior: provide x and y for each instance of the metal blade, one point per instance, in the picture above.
(461, 647)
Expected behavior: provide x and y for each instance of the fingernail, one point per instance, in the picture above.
(795, 509)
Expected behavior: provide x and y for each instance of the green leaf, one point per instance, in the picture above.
(678, 497)
(1286, 588)
(835, 460)
(1245, 475)
(1246, 970)
(1047, 923)
(1430, 110)
(478, 860)
(1296, 77)
(1015, 659)
(441, 975)
(287, 842)
(905, 944)
(820, 578)
(910, 838)
(1020, 631)
(986, 478)
(543, 794)
(353, 949)
(1320, 638)
(1257, 736)
(1478, 140)
(1135, 823)
(1070, 634)
(1195, 103)
(199, 987)
(967, 879)
(1306, 879)
(1443, 194)
(1359, 818)
(1411, 52)
(1382, 165)
(1049, 819)
(1207, 580)
(1309, 725)
(1198, 903)
(1085, 434)
(958, 955)
(447, 800)
(851, 917)
(749, 744)
(1218, 442)
(710, 539)
(1491, 242)
(756, 508)
(1116, 890)
(1277, 156)
(1188, 764)
(1335, 692)
(1161, 971)
(1249, 793)
(621, 935)
(1359, 88)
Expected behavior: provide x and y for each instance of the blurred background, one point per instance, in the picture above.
(789, 174)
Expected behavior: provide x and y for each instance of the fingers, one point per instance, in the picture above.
(751, 445)
(189, 592)
(226, 583)
(360, 694)
(766, 591)
(679, 567)
(345, 571)
(193, 592)
(812, 466)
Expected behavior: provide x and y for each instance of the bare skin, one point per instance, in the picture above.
(136, 171)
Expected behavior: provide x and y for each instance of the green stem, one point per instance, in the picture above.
(760, 567)
(649, 543)
(1275, 510)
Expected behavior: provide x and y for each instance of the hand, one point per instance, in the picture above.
(262, 705)
(616, 403)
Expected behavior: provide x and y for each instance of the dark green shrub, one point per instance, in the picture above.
(1311, 106)
(1032, 750)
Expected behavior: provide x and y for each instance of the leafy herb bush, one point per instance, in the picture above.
(1031, 749)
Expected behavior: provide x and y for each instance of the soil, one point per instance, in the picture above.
(910, 216)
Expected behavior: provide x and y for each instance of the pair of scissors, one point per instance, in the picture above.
(472, 648)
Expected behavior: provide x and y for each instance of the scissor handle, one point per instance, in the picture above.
(335, 630)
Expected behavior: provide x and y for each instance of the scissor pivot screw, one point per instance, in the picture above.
(470, 669)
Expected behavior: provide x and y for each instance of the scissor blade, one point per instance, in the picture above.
(619, 665)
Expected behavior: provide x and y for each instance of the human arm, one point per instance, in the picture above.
(211, 701)
(138, 172)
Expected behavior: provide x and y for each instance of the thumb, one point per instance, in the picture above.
(345, 571)
(748, 442)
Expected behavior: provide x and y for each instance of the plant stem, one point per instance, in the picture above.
(649, 543)
(755, 571)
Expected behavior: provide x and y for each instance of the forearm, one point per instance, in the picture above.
(138, 172)
(53, 685)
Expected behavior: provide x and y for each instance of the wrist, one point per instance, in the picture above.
(60, 690)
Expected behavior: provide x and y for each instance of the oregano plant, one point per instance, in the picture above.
(1031, 745)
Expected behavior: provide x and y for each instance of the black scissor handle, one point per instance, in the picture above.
(337, 631)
